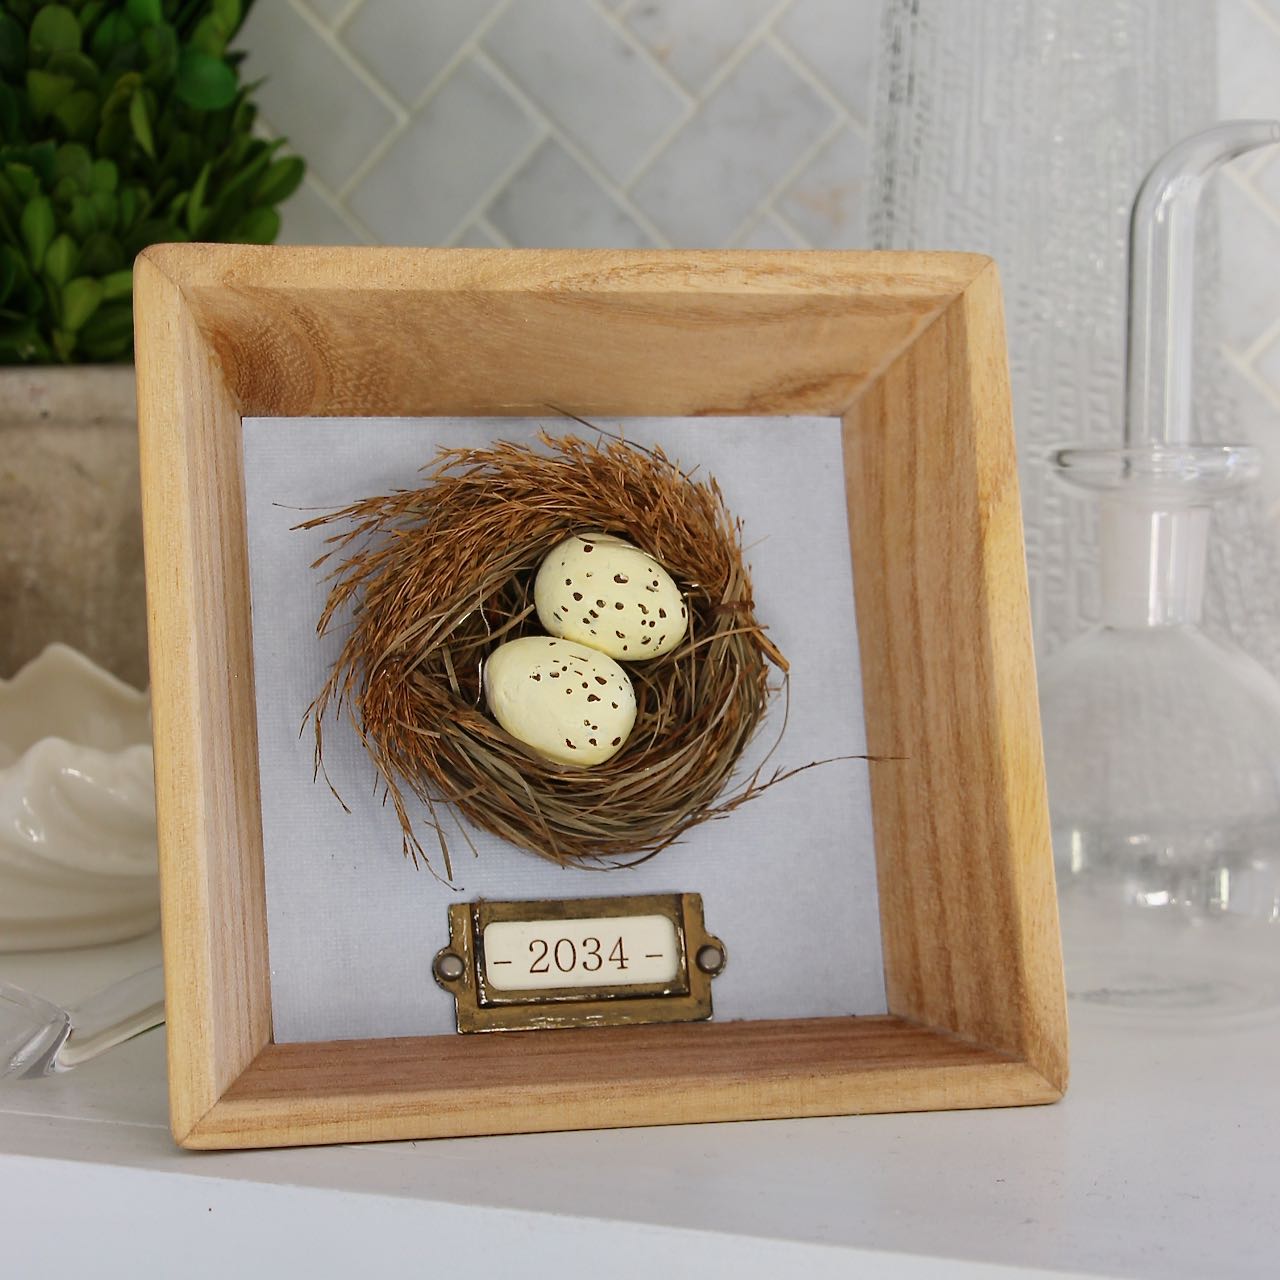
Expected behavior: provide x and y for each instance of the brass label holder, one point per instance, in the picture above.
(581, 962)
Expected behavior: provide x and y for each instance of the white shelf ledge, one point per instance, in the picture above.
(1163, 1161)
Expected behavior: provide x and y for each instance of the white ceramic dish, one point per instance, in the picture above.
(77, 806)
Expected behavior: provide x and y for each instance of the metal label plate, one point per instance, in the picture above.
(582, 962)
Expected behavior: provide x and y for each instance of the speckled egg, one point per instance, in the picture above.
(604, 592)
(568, 702)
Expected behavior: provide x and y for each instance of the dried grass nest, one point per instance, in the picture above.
(433, 578)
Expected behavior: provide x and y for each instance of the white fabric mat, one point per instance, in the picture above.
(788, 881)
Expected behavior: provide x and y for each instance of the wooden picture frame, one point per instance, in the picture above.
(908, 350)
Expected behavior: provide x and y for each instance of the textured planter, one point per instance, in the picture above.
(70, 524)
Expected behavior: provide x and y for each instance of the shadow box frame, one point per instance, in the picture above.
(908, 350)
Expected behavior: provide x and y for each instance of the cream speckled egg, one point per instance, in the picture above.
(566, 701)
(603, 592)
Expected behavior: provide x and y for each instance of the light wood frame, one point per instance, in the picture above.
(908, 349)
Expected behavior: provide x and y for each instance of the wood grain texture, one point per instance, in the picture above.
(909, 349)
(204, 722)
(961, 817)
(444, 1086)
(477, 331)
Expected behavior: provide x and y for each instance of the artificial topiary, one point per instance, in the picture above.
(122, 123)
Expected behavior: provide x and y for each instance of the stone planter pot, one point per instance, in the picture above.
(70, 519)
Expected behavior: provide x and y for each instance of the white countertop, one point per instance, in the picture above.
(1163, 1161)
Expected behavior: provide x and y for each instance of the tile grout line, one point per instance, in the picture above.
(323, 191)
(1264, 388)
(646, 54)
(345, 15)
(730, 64)
(1243, 183)
(664, 140)
(810, 77)
(772, 210)
(480, 208)
(1253, 165)
(362, 170)
(352, 63)
(1265, 16)
(493, 231)
(806, 158)
(553, 131)
(340, 210)
(751, 41)
(469, 47)
(735, 241)
(472, 45)
(1267, 201)
(1269, 335)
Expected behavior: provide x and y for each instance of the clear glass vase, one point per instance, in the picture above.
(1162, 744)
(1163, 753)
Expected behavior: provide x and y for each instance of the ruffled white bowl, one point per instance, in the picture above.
(77, 806)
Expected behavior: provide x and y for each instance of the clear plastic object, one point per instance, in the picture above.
(38, 1038)
(1162, 744)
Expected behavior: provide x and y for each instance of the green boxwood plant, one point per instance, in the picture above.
(122, 123)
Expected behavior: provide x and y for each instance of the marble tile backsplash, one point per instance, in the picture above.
(572, 122)
(1249, 212)
(424, 187)
(736, 149)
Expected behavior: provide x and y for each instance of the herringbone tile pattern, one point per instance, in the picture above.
(572, 122)
(1249, 86)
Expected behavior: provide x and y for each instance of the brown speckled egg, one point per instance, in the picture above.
(569, 703)
(602, 591)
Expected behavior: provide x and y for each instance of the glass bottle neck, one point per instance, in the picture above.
(1153, 564)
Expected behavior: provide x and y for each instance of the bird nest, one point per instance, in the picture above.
(432, 579)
